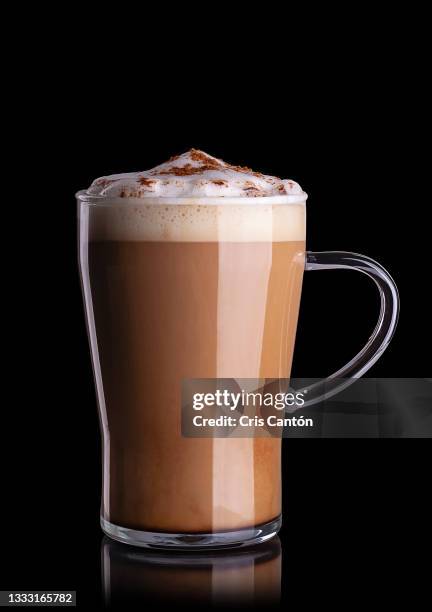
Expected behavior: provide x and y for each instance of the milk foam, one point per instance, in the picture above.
(194, 174)
(194, 199)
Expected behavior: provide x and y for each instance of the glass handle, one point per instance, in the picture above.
(382, 334)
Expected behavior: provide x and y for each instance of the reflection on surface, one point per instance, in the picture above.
(247, 577)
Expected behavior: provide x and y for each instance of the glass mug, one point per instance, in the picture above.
(181, 288)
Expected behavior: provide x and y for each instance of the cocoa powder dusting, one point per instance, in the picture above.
(205, 163)
(251, 188)
(246, 170)
(200, 156)
(146, 182)
(188, 169)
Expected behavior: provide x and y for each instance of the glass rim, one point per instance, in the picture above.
(277, 200)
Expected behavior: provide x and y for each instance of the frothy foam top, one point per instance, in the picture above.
(176, 202)
(192, 175)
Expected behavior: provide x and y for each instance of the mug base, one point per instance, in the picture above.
(193, 541)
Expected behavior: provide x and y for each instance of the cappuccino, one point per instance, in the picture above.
(190, 270)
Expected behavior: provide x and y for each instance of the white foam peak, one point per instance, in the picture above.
(194, 174)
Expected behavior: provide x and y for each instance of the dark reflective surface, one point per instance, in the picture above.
(248, 577)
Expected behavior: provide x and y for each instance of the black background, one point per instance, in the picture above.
(348, 126)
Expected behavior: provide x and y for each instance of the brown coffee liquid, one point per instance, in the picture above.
(166, 311)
